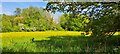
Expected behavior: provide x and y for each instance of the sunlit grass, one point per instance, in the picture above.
(46, 33)
(43, 34)
(13, 40)
(23, 40)
(117, 33)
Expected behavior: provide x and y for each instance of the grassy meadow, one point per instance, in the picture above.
(52, 41)
(60, 27)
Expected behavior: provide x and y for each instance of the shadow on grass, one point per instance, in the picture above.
(68, 44)
(78, 44)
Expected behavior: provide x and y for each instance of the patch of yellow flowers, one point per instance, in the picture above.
(9, 37)
(47, 33)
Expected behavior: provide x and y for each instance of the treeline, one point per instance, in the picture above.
(29, 19)
(100, 18)
(38, 19)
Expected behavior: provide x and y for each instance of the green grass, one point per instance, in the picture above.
(55, 42)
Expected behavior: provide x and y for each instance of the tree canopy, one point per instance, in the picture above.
(29, 19)
(104, 16)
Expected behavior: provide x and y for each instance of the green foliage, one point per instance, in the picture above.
(6, 23)
(29, 19)
(74, 24)
(16, 29)
(103, 16)
(18, 12)
(106, 23)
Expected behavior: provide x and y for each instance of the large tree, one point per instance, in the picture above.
(104, 16)
(38, 18)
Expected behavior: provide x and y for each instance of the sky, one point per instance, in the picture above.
(9, 7)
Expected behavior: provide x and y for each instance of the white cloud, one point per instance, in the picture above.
(7, 12)
(4, 11)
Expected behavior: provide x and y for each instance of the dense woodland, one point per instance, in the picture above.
(29, 19)
(38, 19)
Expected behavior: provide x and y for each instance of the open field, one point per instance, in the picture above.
(49, 41)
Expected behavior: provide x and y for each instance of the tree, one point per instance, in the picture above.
(38, 18)
(29, 19)
(102, 23)
(74, 24)
(18, 12)
(6, 25)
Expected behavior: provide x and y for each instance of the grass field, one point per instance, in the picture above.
(49, 41)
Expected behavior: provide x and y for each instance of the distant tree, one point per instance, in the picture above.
(18, 12)
(18, 20)
(74, 24)
(7, 24)
(38, 18)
